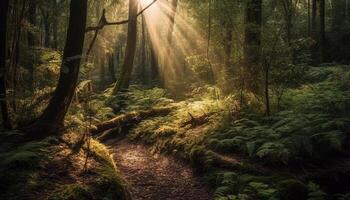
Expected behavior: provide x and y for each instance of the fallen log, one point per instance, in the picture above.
(128, 119)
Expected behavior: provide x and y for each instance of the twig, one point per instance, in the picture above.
(106, 23)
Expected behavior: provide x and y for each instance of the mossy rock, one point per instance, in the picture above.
(292, 189)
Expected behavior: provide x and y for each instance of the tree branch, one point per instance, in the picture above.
(106, 23)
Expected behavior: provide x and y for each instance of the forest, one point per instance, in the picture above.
(175, 100)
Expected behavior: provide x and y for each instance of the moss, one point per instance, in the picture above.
(71, 192)
(109, 184)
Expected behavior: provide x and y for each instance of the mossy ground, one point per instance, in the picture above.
(53, 169)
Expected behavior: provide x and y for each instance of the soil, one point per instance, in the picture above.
(157, 177)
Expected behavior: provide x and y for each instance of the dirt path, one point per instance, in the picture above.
(157, 177)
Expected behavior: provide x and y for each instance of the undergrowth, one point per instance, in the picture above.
(297, 146)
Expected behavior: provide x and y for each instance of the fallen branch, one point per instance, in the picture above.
(128, 119)
(196, 121)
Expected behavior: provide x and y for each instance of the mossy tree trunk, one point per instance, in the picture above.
(51, 121)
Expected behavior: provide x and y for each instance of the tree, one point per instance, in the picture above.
(3, 27)
(142, 74)
(111, 70)
(322, 41)
(52, 119)
(125, 75)
(314, 32)
(252, 42)
(171, 15)
(31, 40)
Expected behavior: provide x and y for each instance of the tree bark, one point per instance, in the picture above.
(309, 17)
(52, 119)
(314, 33)
(32, 41)
(322, 41)
(46, 29)
(127, 68)
(228, 47)
(4, 4)
(252, 41)
(111, 68)
(142, 74)
(338, 14)
(172, 15)
(55, 26)
(154, 64)
(102, 72)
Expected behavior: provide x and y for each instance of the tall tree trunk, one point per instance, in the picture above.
(13, 68)
(338, 14)
(228, 47)
(314, 33)
(47, 30)
(32, 41)
(102, 72)
(4, 4)
(126, 71)
(154, 64)
(52, 119)
(309, 17)
(142, 74)
(111, 68)
(55, 26)
(172, 14)
(252, 41)
(322, 30)
(209, 29)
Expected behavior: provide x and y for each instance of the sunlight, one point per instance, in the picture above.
(145, 2)
(172, 41)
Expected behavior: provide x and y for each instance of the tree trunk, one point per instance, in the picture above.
(31, 41)
(309, 17)
(111, 69)
(172, 14)
(46, 30)
(228, 47)
(126, 71)
(154, 64)
(52, 119)
(314, 33)
(142, 74)
(6, 123)
(102, 72)
(252, 41)
(338, 14)
(14, 58)
(322, 30)
(55, 26)
(209, 30)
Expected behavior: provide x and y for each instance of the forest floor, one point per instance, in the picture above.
(155, 176)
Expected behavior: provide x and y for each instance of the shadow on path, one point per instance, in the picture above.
(157, 177)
